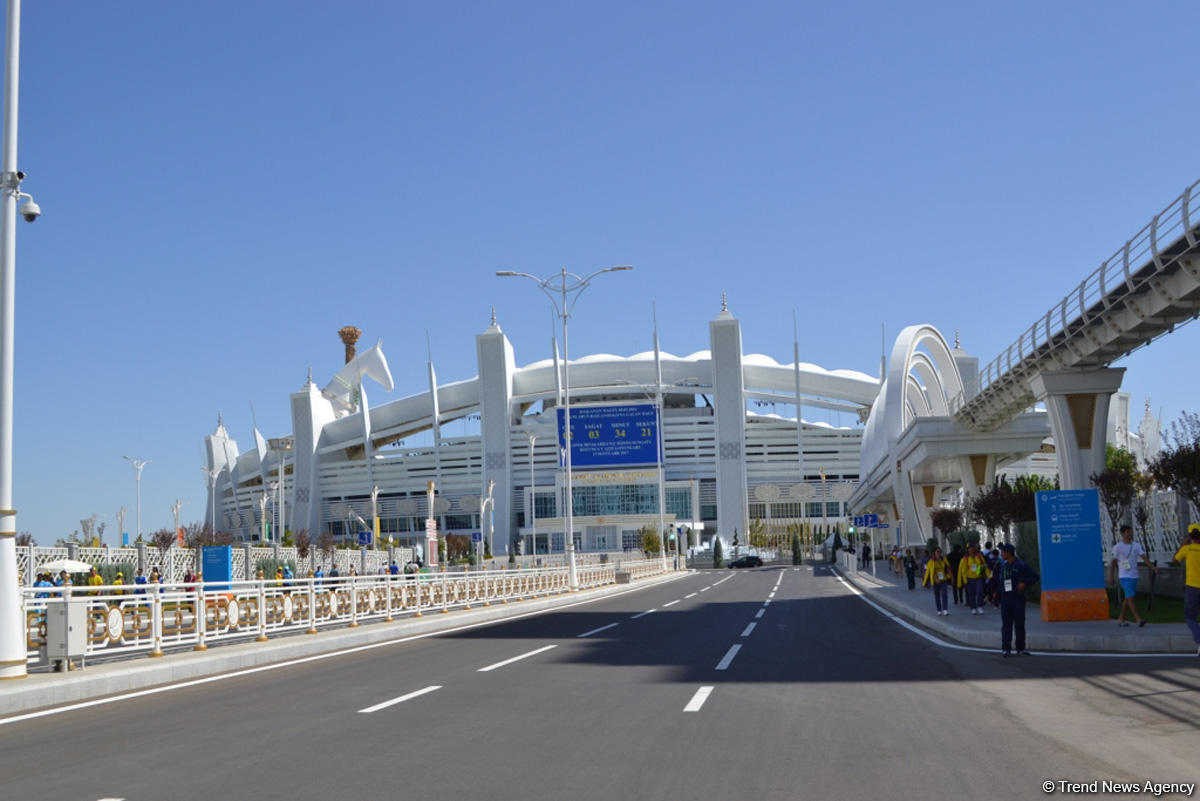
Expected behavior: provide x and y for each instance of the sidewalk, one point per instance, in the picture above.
(43, 689)
(983, 631)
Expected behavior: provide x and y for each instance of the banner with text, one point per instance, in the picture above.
(614, 434)
(1069, 539)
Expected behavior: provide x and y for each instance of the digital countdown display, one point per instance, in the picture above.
(610, 435)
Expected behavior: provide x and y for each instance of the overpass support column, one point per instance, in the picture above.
(1078, 406)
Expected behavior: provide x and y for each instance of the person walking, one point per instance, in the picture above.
(910, 568)
(954, 558)
(1125, 557)
(1189, 554)
(1014, 577)
(972, 573)
(937, 575)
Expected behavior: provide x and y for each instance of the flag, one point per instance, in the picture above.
(371, 362)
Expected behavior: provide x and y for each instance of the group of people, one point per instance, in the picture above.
(977, 577)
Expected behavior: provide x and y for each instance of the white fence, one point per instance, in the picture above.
(148, 618)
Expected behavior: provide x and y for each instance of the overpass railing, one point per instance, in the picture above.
(1127, 271)
(146, 619)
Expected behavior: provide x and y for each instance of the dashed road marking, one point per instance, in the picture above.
(516, 659)
(729, 655)
(698, 699)
(671, 603)
(395, 701)
(597, 631)
(760, 612)
(690, 595)
(643, 614)
(749, 629)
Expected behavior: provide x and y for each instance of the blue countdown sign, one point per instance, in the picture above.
(607, 436)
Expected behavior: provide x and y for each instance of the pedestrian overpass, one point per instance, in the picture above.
(939, 422)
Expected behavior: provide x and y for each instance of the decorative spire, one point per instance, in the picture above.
(493, 315)
(310, 381)
(724, 302)
(956, 345)
(220, 432)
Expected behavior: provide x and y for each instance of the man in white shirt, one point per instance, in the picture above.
(1126, 555)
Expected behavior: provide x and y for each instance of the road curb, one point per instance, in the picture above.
(1125, 642)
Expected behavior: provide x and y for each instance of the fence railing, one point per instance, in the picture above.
(123, 620)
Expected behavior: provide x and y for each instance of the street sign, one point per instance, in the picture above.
(858, 521)
(476, 536)
(1069, 537)
(364, 538)
(871, 521)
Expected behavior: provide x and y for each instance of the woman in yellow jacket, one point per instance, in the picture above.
(973, 573)
(937, 575)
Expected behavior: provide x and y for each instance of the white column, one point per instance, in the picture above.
(1078, 406)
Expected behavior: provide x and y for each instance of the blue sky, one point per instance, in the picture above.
(225, 184)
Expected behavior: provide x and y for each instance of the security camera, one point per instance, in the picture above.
(30, 211)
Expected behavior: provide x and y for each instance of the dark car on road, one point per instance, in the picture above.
(746, 561)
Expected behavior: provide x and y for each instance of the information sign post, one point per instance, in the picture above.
(1071, 555)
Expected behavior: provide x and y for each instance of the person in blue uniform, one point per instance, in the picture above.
(1014, 577)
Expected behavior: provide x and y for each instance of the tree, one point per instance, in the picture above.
(756, 535)
(648, 539)
(796, 553)
(1177, 467)
(162, 539)
(303, 543)
(718, 553)
(947, 520)
(25, 539)
(1117, 486)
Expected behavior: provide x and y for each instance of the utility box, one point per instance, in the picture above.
(66, 628)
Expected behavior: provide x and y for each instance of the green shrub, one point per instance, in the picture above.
(718, 554)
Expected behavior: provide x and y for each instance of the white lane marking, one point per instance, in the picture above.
(516, 658)
(58, 710)
(672, 603)
(597, 631)
(749, 629)
(760, 612)
(767, 602)
(729, 655)
(706, 589)
(399, 700)
(698, 699)
(772, 595)
(643, 614)
(690, 595)
(112, 799)
(722, 581)
(957, 647)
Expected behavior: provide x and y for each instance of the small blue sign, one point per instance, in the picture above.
(476, 536)
(218, 566)
(858, 522)
(871, 521)
(1069, 539)
(364, 538)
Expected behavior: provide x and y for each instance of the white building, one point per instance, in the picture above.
(725, 462)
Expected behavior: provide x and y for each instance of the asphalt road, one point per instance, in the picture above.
(771, 683)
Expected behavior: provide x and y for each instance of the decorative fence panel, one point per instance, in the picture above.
(124, 620)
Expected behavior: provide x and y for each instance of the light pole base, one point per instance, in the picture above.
(200, 647)
(313, 630)
(261, 638)
(156, 654)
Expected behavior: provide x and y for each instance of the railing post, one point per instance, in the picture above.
(387, 591)
(445, 596)
(416, 584)
(201, 618)
(354, 602)
(156, 622)
(262, 611)
(312, 606)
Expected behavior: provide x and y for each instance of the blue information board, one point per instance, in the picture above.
(1069, 539)
(607, 436)
(218, 566)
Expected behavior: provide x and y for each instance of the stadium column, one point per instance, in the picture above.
(725, 337)
(1077, 402)
(495, 355)
(311, 412)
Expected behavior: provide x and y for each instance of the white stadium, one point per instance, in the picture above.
(725, 463)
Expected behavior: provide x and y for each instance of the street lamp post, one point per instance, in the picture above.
(138, 465)
(175, 507)
(121, 523)
(281, 445)
(563, 284)
(532, 496)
